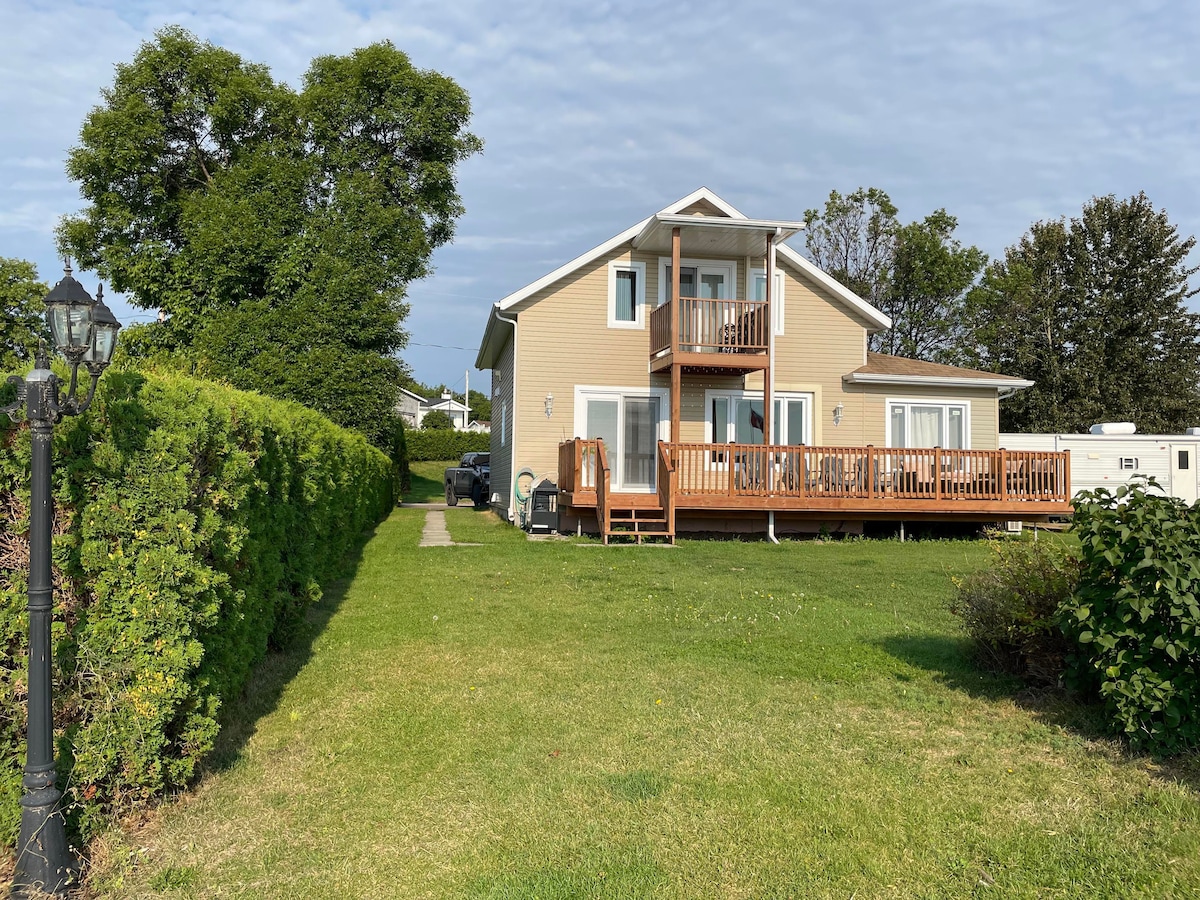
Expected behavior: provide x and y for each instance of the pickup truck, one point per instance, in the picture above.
(471, 479)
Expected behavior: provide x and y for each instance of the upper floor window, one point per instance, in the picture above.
(626, 294)
(758, 291)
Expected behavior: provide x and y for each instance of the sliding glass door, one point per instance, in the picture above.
(630, 425)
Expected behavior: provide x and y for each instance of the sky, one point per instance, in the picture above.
(597, 114)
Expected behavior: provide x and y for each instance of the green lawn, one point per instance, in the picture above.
(558, 720)
(427, 485)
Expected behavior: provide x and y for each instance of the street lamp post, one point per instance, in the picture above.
(85, 332)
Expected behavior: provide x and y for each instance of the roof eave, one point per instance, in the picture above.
(1008, 384)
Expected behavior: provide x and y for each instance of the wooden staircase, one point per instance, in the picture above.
(637, 522)
(637, 516)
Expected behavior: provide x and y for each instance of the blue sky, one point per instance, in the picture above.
(595, 114)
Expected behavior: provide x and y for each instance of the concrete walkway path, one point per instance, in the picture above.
(435, 533)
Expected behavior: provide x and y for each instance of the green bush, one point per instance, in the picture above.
(195, 524)
(1010, 609)
(1136, 614)
(434, 443)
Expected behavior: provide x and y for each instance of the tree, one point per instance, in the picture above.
(277, 229)
(917, 274)
(1093, 310)
(21, 297)
(436, 419)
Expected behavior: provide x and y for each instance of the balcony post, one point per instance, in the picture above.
(768, 384)
(676, 385)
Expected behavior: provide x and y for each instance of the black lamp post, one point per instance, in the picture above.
(85, 332)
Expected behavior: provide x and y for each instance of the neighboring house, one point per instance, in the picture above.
(410, 408)
(635, 376)
(456, 411)
(477, 425)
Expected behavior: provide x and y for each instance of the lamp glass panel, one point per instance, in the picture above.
(80, 335)
(58, 317)
(103, 343)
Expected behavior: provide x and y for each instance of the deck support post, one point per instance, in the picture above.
(769, 371)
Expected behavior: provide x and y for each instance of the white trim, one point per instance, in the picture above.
(729, 267)
(937, 380)
(585, 392)
(777, 295)
(928, 401)
(639, 297)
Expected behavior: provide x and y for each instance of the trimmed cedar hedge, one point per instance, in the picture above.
(195, 524)
(444, 443)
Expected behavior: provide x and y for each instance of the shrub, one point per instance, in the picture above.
(433, 444)
(1136, 615)
(195, 524)
(1010, 608)
(436, 420)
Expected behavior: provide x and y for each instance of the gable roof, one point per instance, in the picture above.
(884, 369)
(416, 397)
(879, 321)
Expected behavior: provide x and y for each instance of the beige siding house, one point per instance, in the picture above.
(645, 376)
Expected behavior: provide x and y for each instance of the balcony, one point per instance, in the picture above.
(729, 336)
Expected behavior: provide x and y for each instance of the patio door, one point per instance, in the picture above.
(630, 426)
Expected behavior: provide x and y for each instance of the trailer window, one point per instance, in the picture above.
(1184, 460)
(1129, 463)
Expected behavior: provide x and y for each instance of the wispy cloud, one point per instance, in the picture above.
(597, 113)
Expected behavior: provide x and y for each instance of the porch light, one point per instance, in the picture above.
(549, 404)
(837, 414)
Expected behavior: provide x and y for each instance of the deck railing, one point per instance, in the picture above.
(603, 489)
(870, 473)
(711, 326)
(668, 485)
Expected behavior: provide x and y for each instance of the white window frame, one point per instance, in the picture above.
(735, 394)
(909, 402)
(585, 392)
(729, 267)
(639, 295)
(777, 304)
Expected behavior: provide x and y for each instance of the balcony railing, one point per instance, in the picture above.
(711, 326)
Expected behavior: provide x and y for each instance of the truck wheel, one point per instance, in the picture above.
(451, 500)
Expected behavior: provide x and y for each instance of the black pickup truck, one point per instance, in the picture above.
(471, 480)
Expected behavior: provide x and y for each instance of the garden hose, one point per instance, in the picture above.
(522, 500)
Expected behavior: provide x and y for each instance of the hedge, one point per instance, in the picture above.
(195, 524)
(444, 443)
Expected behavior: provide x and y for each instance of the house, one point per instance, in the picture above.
(457, 412)
(479, 426)
(410, 408)
(635, 375)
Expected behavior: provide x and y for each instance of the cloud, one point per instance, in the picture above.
(597, 113)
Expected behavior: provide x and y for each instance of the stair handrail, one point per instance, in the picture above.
(667, 486)
(603, 488)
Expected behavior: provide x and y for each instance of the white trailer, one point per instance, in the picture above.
(1113, 454)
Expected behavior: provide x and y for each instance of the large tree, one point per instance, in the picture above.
(21, 295)
(277, 229)
(1093, 310)
(918, 274)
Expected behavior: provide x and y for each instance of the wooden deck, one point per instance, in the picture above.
(728, 336)
(867, 483)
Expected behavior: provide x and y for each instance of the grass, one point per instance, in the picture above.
(559, 720)
(426, 481)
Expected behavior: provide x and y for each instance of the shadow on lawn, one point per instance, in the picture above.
(271, 676)
(952, 661)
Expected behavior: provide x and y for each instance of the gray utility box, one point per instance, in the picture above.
(543, 507)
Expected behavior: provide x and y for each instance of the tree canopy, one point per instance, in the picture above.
(277, 229)
(21, 295)
(918, 274)
(1093, 310)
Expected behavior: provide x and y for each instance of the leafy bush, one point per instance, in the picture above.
(433, 444)
(1010, 609)
(436, 420)
(1136, 615)
(195, 524)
